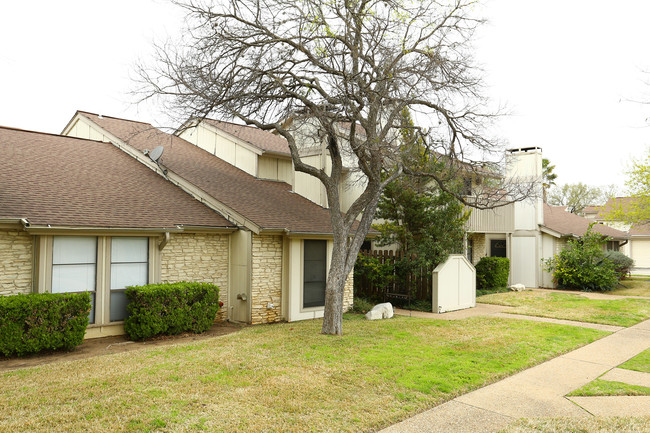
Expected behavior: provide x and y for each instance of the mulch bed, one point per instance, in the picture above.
(107, 345)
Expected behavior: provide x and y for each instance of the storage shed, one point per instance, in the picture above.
(454, 285)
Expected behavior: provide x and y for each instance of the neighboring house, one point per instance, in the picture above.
(638, 247)
(81, 215)
(66, 202)
(529, 231)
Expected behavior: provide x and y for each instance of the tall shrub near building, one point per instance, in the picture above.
(582, 265)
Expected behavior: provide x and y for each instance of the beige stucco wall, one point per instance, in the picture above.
(266, 285)
(198, 257)
(16, 262)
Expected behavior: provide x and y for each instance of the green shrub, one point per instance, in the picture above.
(622, 263)
(42, 321)
(492, 272)
(372, 271)
(582, 265)
(170, 309)
(362, 305)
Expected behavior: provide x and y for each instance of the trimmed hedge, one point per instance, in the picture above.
(42, 321)
(492, 272)
(170, 309)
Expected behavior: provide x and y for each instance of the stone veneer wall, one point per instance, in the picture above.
(198, 257)
(16, 262)
(480, 247)
(266, 284)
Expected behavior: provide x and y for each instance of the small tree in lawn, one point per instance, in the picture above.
(582, 265)
(338, 62)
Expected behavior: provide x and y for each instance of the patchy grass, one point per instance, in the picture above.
(580, 425)
(284, 377)
(633, 286)
(641, 362)
(483, 292)
(619, 312)
(601, 387)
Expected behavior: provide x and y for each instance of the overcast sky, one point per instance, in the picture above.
(568, 71)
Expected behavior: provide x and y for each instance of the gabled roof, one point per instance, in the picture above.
(565, 223)
(270, 205)
(71, 182)
(264, 140)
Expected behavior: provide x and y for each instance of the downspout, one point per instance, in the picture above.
(164, 241)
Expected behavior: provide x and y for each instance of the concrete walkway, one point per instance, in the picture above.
(540, 391)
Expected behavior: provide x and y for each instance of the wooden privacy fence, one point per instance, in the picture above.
(381, 279)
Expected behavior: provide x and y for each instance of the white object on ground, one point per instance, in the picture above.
(380, 311)
(517, 287)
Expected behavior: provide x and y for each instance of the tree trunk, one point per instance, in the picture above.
(334, 291)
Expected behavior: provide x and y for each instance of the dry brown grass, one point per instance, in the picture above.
(633, 286)
(581, 425)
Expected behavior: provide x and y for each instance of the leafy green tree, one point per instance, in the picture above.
(635, 211)
(582, 265)
(548, 176)
(427, 224)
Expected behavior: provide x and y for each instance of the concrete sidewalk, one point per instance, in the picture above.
(540, 391)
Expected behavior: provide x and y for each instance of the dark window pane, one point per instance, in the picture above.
(118, 305)
(314, 273)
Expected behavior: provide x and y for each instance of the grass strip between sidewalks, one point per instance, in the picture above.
(601, 387)
(568, 306)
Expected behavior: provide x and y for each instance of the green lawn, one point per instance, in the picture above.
(633, 286)
(641, 362)
(601, 387)
(620, 312)
(284, 377)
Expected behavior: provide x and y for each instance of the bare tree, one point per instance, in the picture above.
(577, 196)
(350, 67)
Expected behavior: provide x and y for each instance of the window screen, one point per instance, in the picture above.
(74, 266)
(315, 273)
(129, 267)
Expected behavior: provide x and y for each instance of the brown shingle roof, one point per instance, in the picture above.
(269, 204)
(65, 181)
(558, 219)
(263, 140)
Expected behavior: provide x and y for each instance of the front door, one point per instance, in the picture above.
(498, 248)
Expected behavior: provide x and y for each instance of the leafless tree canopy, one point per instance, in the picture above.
(358, 63)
